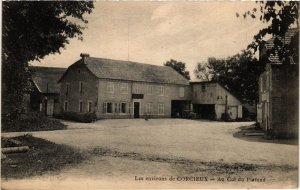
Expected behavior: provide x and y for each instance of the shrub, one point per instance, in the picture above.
(80, 117)
(31, 121)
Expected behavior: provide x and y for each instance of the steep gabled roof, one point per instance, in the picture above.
(131, 71)
(274, 59)
(47, 75)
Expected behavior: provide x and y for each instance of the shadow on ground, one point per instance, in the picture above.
(43, 156)
(253, 134)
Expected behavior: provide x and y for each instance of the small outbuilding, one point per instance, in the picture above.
(46, 90)
(211, 100)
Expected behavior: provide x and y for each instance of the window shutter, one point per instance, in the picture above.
(104, 107)
(116, 107)
(129, 108)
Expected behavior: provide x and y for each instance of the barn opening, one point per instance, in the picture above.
(178, 107)
(204, 111)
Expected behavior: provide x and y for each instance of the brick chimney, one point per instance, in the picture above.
(84, 55)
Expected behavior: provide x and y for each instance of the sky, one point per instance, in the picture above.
(155, 32)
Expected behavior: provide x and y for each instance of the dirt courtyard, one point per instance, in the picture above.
(166, 153)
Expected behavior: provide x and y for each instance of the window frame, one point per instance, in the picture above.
(121, 106)
(66, 106)
(161, 90)
(80, 106)
(149, 108)
(159, 109)
(110, 88)
(137, 90)
(67, 88)
(105, 107)
(150, 89)
(80, 87)
(89, 106)
(124, 86)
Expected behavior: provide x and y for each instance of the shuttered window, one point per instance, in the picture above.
(89, 109)
(149, 108)
(80, 106)
(66, 106)
(161, 108)
(107, 107)
(67, 88)
(161, 90)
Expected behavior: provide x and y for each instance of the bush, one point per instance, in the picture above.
(79, 117)
(31, 121)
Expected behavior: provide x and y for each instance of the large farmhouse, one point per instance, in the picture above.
(123, 89)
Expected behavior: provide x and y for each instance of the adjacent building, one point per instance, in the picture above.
(45, 94)
(210, 100)
(123, 89)
(277, 110)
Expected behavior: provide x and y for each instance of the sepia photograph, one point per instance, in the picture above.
(149, 95)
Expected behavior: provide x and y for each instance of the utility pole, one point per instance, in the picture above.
(226, 104)
(128, 38)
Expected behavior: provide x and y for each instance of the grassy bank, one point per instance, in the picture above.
(43, 156)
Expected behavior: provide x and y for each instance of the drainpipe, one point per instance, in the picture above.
(46, 105)
(46, 99)
(130, 111)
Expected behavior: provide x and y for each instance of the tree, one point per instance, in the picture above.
(179, 67)
(30, 31)
(239, 74)
(202, 72)
(280, 16)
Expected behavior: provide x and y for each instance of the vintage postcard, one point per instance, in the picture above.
(149, 95)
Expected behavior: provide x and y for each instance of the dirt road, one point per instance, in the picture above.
(140, 154)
